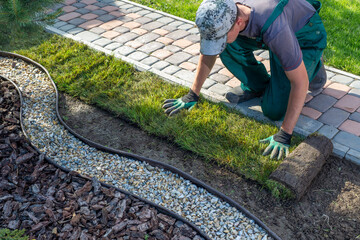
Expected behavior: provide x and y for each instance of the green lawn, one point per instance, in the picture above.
(341, 19)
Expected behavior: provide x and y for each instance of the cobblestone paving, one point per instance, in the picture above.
(169, 47)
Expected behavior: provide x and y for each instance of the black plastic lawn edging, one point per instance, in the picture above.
(152, 162)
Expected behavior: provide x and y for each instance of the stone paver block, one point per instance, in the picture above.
(342, 79)
(121, 29)
(234, 82)
(110, 34)
(351, 127)
(165, 20)
(188, 66)
(82, 11)
(100, 4)
(110, 8)
(111, 25)
(226, 72)
(311, 113)
(75, 30)
(88, 36)
(355, 84)
(160, 31)
(106, 17)
(69, 9)
(113, 46)
(68, 16)
(143, 12)
(178, 34)
(220, 89)
(139, 31)
(117, 13)
(334, 117)
(329, 74)
(162, 54)
(131, 25)
(102, 42)
(149, 37)
(327, 83)
(126, 37)
(216, 68)
(208, 83)
(219, 62)
(133, 15)
(308, 98)
(88, 1)
(355, 92)
(173, 49)
(336, 90)
(171, 69)
(138, 56)
(169, 28)
(77, 21)
(69, 2)
(92, 7)
(322, 102)
(89, 16)
(134, 44)
(79, 5)
(125, 19)
(193, 30)
(353, 156)
(339, 150)
(143, 20)
(355, 116)
(91, 24)
(97, 30)
(307, 124)
(182, 43)
(193, 49)
(165, 40)
(348, 103)
(99, 12)
(126, 50)
(185, 26)
(59, 24)
(160, 65)
(328, 131)
(154, 15)
(178, 58)
(67, 27)
(151, 47)
(220, 78)
(185, 75)
(176, 23)
(347, 139)
(149, 60)
(152, 26)
(194, 59)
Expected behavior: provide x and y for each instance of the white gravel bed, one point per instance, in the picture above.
(212, 215)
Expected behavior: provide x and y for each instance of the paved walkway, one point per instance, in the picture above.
(169, 47)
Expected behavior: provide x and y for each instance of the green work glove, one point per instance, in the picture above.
(278, 144)
(173, 106)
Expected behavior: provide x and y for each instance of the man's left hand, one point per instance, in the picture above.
(278, 144)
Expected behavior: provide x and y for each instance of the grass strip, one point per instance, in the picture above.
(210, 130)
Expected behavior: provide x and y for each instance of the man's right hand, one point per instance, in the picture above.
(173, 106)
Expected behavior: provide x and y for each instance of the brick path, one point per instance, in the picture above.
(169, 47)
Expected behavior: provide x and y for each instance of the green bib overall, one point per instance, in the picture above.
(238, 57)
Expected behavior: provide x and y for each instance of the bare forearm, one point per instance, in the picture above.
(202, 72)
(299, 86)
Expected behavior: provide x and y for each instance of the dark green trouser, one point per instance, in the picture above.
(238, 57)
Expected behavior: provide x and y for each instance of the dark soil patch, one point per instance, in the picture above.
(330, 209)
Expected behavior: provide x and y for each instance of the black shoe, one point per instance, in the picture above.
(237, 95)
(319, 80)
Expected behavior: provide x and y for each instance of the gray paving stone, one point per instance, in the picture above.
(75, 30)
(148, 37)
(185, 75)
(135, 9)
(178, 58)
(176, 23)
(119, 3)
(348, 139)
(353, 156)
(171, 69)
(77, 21)
(334, 117)
(151, 47)
(121, 29)
(66, 27)
(308, 124)
(137, 56)
(126, 6)
(329, 74)
(126, 37)
(82, 11)
(154, 15)
(106, 17)
(216, 68)
(152, 25)
(220, 78)
(194, 30)
(143, 12)
(108, 1)
(125, 19)
(58, 6)
(102, 42)
(355, 84)
(252, 109)
(59, 24)
(194, 59)
(88, 36)
(355, 92)
(193, 38)
(160, 65)
(97, 30)
(100, 4)
(220, 89)
(208, 83)
(149, 60)
(143, 20)
(355, 117)
(339, 150)
(113, 46)
(173, 48)
(79, 5)
(265, 55)
(126, 50)
(178, 34)
(165, 20)
(169, 28)
(328, 131)
(99, 12)
(322, 102)
(342, 79)
(185, 26)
